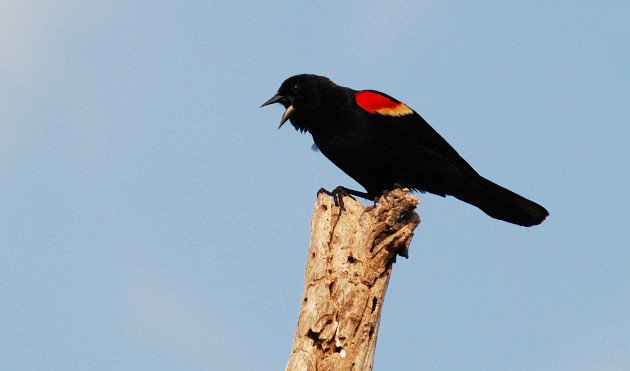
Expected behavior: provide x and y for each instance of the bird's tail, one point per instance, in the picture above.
(501, 203)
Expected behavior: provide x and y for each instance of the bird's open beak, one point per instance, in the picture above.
(287, 113)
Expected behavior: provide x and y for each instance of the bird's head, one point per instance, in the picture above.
(300, 95)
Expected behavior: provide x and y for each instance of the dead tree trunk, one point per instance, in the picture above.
(347, 271)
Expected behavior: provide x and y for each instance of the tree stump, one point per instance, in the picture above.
(348, 268)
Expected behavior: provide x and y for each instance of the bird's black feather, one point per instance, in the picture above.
(381, 143)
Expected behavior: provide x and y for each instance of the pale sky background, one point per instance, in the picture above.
(152, 217)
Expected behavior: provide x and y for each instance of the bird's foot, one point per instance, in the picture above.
(338, 194)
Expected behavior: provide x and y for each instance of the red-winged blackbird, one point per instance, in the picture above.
(382, 144)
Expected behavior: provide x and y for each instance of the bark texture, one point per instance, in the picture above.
(347, 271)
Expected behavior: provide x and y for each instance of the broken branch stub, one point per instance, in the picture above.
(348, 268)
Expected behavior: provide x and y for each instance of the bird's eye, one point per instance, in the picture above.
(295, 88)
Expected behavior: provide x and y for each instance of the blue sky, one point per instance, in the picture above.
(154, 218)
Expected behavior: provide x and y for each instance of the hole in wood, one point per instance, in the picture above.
(315, 337)
(351, 259)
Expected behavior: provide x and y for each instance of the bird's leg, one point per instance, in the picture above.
(338, 193)
(352, 192)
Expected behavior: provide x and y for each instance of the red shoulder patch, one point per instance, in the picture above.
(382, 104)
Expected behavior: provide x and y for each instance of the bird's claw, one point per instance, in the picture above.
(337, 194)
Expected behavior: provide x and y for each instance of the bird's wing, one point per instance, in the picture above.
(389, 112)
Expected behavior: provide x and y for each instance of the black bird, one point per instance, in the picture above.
(382, 144)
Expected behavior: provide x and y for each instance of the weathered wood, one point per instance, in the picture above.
(347, 271)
